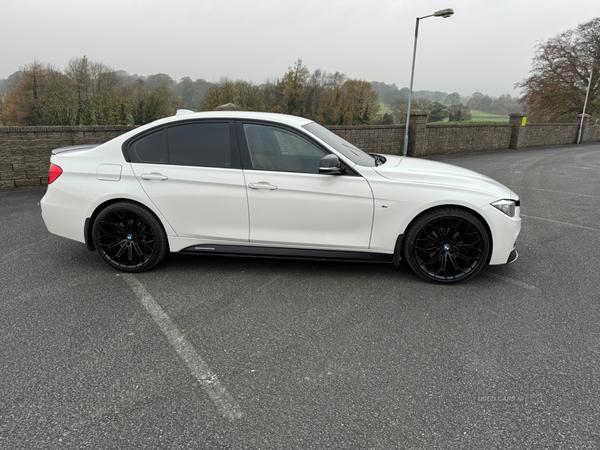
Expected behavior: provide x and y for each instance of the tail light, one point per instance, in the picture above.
(54, 173)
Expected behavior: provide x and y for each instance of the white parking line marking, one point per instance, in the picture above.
(587, 168)
(512, 281)
(199, 369)
(560, 223)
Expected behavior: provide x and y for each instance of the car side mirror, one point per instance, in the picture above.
(331, 165)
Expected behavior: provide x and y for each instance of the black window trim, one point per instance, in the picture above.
(236, 162)
(245, 153)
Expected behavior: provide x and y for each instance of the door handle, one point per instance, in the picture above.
(154, 176)
(262, 185)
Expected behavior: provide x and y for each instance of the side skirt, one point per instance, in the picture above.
(292, 253)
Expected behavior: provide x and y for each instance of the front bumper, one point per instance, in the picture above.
(514, 255)
(505, 231)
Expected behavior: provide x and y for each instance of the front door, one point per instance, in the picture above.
(291, 204)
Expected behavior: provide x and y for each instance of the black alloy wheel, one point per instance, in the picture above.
(129, 237)
(446, 245)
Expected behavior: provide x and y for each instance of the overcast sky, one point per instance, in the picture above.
(486, 46)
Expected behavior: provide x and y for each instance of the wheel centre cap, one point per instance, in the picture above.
(446, 247)
(129, 237)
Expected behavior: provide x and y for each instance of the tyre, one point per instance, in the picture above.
(446, 245)
(129, 237)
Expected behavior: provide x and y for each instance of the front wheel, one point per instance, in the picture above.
(129, 237)
(446, 245)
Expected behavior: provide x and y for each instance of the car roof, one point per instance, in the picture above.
(248, 115)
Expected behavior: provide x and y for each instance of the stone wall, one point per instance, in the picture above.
(446, 139)
(548, 134)
(591, 133)
(373, 138)
(25, 151)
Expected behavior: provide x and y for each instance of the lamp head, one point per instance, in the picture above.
(445, 13)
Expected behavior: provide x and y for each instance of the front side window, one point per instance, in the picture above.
(200, 144)
(273, 148)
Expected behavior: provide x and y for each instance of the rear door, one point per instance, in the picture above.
(192, 173)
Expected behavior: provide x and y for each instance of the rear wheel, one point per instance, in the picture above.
(129, 237)
(446, 245)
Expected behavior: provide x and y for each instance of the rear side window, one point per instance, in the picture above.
(149, 149)
(200, 144)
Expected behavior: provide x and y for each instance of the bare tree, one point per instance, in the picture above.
(556, 89)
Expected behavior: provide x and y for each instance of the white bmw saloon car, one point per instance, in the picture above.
(272, 185)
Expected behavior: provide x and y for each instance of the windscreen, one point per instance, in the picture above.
(351, 152)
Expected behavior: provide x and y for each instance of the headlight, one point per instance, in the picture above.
(506, 206)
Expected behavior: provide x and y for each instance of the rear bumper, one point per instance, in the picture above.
(64, 214)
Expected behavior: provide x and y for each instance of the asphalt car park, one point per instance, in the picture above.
(217, 352)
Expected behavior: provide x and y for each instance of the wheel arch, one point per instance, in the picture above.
(89, 222)
(464, 208)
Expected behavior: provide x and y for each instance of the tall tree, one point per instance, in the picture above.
(159, 79)
(152, 104)
(452, 99)
(459, 113)
(192, 92)
(273, 95)
(294, 83)
(475, 100)
(505, 104)
(331, 107)
(78, 72)
(485, 104)
(242, 93)
(556, 89)
(362, 102)
(23, 105)
(436, 112)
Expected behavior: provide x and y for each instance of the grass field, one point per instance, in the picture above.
(383, 108)
(483, 116)
(477, 117)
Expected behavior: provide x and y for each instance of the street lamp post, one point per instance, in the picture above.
(445, 13)
(585, 104)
